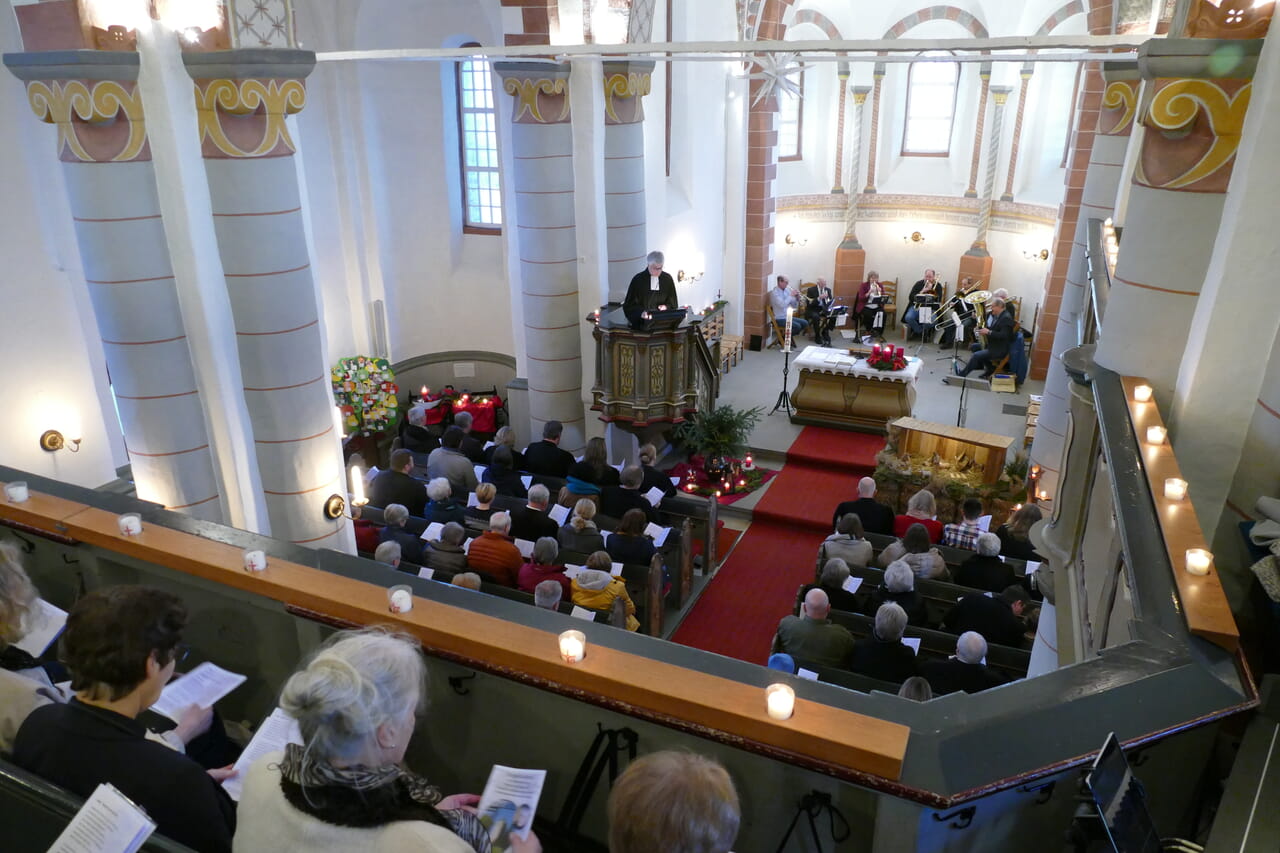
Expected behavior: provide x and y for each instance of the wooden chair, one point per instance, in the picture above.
(779, 333)
(890, 289)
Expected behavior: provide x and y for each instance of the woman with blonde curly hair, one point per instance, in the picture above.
(580, 533)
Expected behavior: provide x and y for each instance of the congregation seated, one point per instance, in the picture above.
(985, 569)
(346, 788)
(467, 580)
(615, 501)
(580, 533)
(834, 574)
(531, 521)
(394, 517)
(673, 801)
(503, 474)
(548, 594)
(25, 684)
(1015, 534)
(395, 486)
(899, 587)
(914, 547)
(811, 636)
(485, 493)
(446, 553)
(544, 565)
(442, 507)
(883, 655)
(875, 516)
(414, 434)
(388, 553)
(653, 478)
(470, 447)
(596, 588)
(848, 544)
(964, 671)
(448, 461)
(545, 456)
(916, 688)
(921, 509)
(121, 646)
(493, 554)
(504, 437)
(593, 473)
(628, 544)
(965, 534)
(998, 618)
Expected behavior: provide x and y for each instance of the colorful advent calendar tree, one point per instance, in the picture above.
(365, 391)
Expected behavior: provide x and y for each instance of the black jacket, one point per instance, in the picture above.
(393, 487)
(875, 517)
(989, 615)
(506, 481)
(532, 524)
(952, 676)
(410, 545)
(1001, 335)
(545, 457)
(876, 658)
(615, 501)
(989, 573)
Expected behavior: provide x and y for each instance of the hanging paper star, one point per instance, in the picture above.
(775, 75)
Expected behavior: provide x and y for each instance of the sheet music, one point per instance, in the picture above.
(202, 686)
(433, 531)
(427, 573)
(654, 496)
(472, 500)
(527, 479)
(559, 514)
(572, 572)
(276, 731)
(851, 584)
(616, 570)
(479, 472)
(984, 523)
(807, 673)
(525, 547)
(43, 624)
(659, 534)
(583, 613)
(912, 643)
(108, 822)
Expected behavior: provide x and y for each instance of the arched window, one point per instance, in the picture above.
(931, 107)
(478, 144)
(790, 122)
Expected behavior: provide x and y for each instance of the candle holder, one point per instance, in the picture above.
(780, 701)
(1156, 435)
(400, 598)
(1175, 489)
(573, 646)
(1142, 393)
(1198, 561)
(255, 561)
(130, 524)
(16, 492)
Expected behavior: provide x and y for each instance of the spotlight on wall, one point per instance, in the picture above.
(681, 275)
(913, 237)
(1042, 255)
(52, 439)
(796, 239)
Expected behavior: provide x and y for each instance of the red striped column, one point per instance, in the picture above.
(1027, 71)
(877, 84)
(543, 182)
(984, 74)
(842, 75)
(93, 100)
(242, 99)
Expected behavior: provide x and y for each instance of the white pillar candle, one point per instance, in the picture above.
(573, 646)
(1175, 489)
(401, 599)
(1198, 561)
(130, 524)
(16, 492)
(1142, 393)
(780, 701)
(1156, 434)
(357, 487)
(255, 561)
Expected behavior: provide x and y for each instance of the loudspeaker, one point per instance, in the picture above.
(757, 341)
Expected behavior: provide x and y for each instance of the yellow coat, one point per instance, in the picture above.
(602, 599)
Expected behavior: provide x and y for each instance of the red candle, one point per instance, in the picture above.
(900, 351)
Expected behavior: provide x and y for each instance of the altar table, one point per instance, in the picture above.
(834, 390)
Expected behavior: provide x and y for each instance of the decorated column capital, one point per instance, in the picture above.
(243, 96)
(1119, 98)
(625, 85)
(860, 94)
(541, 91)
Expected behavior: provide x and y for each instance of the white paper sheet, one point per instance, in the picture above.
(472, 500)
(488, 444)
(583, 613)
(43, 624)
(659, 534)
(479, 472)
(912, 643)
(525, 547)
(559, 514)
(466, 545)
(654, 496)
(510, 800)
(984, 524)
(1032, 566)
(675, 481)
(427, 573)
(527, 479)
(277, 730)
(572, 572)
(616, 570)
(108, 822)
(807, 673)
(202, 686)
(433, 531)
(851, 584)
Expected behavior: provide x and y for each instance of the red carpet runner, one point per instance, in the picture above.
(739, 610)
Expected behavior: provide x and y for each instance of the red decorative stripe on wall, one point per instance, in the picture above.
(1153, 287)
(292, 440)
(264, 274)
(128, 280)
(159, 396)
(194, 503)
(142, 343)
(171, 453)
(278, 332)
(117, 218)
(263, 213)
(1270, 410)
(315, 538)
(287, 387)
(303, 492)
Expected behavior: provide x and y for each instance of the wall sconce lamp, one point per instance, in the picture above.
(1042, 255)
(913, 237)
(335, 506)
(796, 240)
(52, 439)
(681, 275)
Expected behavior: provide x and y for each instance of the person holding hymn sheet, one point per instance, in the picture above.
(927, 292)
(847, 543)
(122, 645)
(965, 534)
(835, 573)
(346, 788)
(580, 532)
(544, 565)
(673, 801)
(650, 290)
(596, 588)
(628, 544)
(446, 553)
(653, 478)
(899, 586)
(816, 311)
(395, 517)
(869, 305)
(883, 655)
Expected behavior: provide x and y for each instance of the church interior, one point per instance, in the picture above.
(259, 253)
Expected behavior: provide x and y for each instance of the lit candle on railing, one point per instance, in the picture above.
(357, 487)
(780, 700)
(130, 524)
(255, 561)
(1198, 561)
(1142, 393)
(1175, 489)
(573, 646)
(1156, 434)
(17, 491)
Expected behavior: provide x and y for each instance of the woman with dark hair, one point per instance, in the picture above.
(504, 475)
(121, 645)
(914, 547)
(1015, 534)
(588, 476)
(628, 544)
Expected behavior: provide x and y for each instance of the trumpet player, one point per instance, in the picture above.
(782, 297)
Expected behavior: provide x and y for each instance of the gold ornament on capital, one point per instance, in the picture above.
(85, 114)
(220, 103)
(526, 92)
(1120, 95)
(632, 85)
(1188, 115)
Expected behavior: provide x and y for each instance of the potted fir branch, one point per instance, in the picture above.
(716, 435)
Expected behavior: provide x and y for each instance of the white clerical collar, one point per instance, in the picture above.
(653, 282)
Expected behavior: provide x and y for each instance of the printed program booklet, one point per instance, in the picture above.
(108, 822)
(508, 804)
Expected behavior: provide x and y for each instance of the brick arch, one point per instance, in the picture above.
(938, 13)
(535, 21)
(1069, 10)
(819, 20)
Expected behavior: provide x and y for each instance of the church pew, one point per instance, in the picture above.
(846, 679)
(1006, 660)
(445, 576)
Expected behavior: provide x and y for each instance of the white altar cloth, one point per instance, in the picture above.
(838, 361)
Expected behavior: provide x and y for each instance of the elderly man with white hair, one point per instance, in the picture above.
(985, 570)
(965, 671)
(883, 655)
(493, 555)
(442, 506)
(414, 434)
(395, 517)
(875, 516)
(388, 553)
(547, 595)
(446, 553)
(899, 587)
(531, 520)
(471, 447)
(811, 637)
(651, 289)
(994, 338)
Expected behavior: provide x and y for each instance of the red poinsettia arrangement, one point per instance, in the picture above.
(887, 357)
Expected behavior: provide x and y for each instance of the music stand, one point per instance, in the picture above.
(1121, 801)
